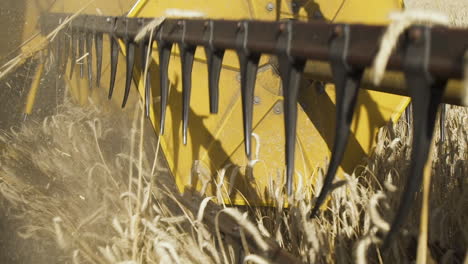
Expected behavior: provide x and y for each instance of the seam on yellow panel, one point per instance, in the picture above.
(225, 118)
(137, 8)
(251, 9)
(400, 109)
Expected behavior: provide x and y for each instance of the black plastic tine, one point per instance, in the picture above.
(215, 63)
(164, 50)
(291, 75)
(426, 94)
(144, 50)
(248, 71)
(442, 122)
(214, 58)
(347, 81)
(98, 42)
(187, 53)
(89, 58)
(145, 64)
(58, 53)
(130, 48)
(114, 44)
(81, 45)
(291, 70)
(408, 112)
(114, 58)
(73, 40)
(66, 51)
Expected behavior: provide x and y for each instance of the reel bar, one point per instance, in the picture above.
(310, 42)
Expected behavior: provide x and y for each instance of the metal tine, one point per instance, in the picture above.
(426, 94)
(347, 81)
(164, 51)
(89, 58)
(248, 70)
(214, 58)
(98, 43)
(73, 41)
(130, 49)
(187, 53)
(81, 44)
(291, 70)
(145, 64)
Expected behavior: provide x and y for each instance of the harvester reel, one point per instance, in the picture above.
(349, 48)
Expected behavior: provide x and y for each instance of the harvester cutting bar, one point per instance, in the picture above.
(309, 39)
(428, 58)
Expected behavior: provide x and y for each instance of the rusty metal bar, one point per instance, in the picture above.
(310, 39)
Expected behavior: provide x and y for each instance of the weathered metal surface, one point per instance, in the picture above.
(310, 39)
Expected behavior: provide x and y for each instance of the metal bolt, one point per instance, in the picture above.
(270, 6)
(108, 20)
(295, 7)
(319, 87)
(318, 14)
(282, 27)
(278, 109)
(415, 34)
(338, 30)
(257, 100)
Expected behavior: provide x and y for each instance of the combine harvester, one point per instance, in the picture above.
(264, 89)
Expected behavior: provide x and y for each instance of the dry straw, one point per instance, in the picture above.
(92, 182)
(26, 54)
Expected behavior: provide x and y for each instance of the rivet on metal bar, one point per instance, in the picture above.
(187, 53)
(291, 69)
(89, 59)
(248, 71)
(114, 46)
(164, 51)
(214, 59)
(426, 94)
(347, 81)
(130, 49)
